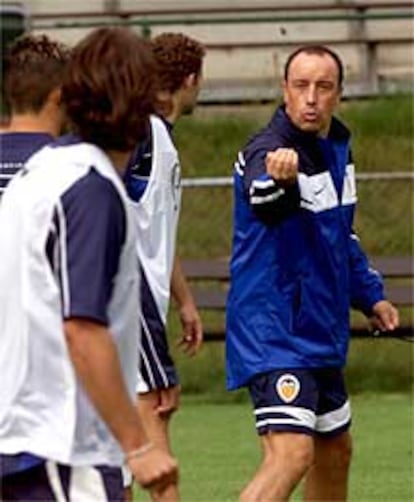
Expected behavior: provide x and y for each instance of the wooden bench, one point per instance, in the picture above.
(209, 280)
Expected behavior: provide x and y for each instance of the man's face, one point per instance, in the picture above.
(311, 92)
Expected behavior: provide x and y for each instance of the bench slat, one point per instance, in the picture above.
(204, 269)
(210, 299)
(210, 281)
(394, 266)
(356, 332)
(400, 295)
(216, 299)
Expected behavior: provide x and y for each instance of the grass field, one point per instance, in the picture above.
(382, 133)
(374, 365)
(217, 448)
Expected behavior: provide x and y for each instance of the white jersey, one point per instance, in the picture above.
(156, 217)
(43, 409)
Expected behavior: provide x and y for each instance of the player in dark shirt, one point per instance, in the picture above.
(33, 69)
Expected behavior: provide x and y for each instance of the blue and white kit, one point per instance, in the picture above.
(310, 401)
(15, 150)
(76, 259)
(154, 186)
(297, 265)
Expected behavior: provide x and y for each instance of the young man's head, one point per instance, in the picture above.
(179, 61)
(109, 88)
(312, 87)
(33, 73)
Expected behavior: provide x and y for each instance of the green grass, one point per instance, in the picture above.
(384, 365)
(218, 449)
(374, 365)
(383, 467)
(382, 131)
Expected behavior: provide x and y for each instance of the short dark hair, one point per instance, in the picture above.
(109, 88)
(33, 67)
(177, 56)
(320, 50)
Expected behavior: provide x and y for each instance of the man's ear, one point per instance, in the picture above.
(191, 80)
(339, 96)
(55, 96)
(284, 89)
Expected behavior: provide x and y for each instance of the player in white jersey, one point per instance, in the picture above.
(153, 183)
(69, 295)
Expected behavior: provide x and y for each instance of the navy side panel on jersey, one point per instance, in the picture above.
(84, 244)
(139, 166)
(139, 170)
(157, 367)
(15, 150)
(11, 464)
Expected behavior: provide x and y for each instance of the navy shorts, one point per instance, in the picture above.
(307, 401)
(51, 481)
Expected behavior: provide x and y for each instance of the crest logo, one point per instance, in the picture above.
(288, 387)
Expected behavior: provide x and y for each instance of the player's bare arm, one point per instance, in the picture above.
(192, 337)
(96, 363)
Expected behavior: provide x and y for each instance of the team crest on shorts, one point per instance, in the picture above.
(287, 387)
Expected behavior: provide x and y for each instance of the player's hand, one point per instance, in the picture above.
(154, 470)
(192, 337)
(385, 316)
(168, 400)
(282, 165)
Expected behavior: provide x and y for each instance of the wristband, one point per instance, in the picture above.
(138, 452)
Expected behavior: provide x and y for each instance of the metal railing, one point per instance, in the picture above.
(220, 181)
(384, 218)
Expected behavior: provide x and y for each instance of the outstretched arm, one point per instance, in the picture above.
(270, 180)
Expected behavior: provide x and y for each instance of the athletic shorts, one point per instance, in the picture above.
(51, 481)
(308, 401)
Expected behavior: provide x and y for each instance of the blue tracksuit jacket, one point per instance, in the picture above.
(296, 265)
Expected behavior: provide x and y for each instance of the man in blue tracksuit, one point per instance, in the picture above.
(296, 269)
